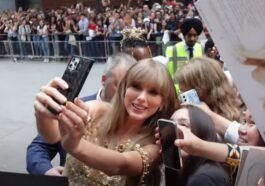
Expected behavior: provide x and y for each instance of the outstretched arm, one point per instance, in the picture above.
(47, 122)
(72, 124)
(114, 163)
(226, 128)
(193, 145)
(205, 149)
(197, 147)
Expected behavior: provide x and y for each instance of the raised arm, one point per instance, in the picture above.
(73, 125)
(47, 122)
(226, 128)
(197, 147)
(114, 163)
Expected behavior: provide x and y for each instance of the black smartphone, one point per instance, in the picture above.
(170, 153)
(75, 75)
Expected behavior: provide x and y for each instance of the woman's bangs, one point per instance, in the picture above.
(148, 78)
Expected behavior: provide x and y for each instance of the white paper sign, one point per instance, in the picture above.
(238, 30)
(253, 169)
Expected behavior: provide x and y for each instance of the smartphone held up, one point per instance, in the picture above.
(189, 96)
(170, 153)
(75, 75)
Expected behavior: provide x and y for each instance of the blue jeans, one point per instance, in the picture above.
(70, 49)
(45, 46)
(36, 45)
(22, 47)
(13, 46)
(55, 44)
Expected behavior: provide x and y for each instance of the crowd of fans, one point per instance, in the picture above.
(85, 31)
(110, 136)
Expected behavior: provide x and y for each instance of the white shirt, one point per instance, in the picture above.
(98, 95)
(161, 59)
(231, 133)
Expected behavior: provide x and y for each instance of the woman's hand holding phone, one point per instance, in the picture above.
(50, 98)
(69, 86)
(72, 124)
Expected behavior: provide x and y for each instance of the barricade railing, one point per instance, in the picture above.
(55, 49)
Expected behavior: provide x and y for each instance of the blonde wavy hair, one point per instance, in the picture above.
(208, 79)
(147, 72)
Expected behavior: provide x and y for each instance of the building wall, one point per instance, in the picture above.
(47, 4)
(7, 5)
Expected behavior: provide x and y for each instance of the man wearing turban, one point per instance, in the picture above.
(179, 54)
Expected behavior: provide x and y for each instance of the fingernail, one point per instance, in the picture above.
(88, 119)
(59, 108)
(76, 100)
(60, 116)
(66, 86)
(62, 108)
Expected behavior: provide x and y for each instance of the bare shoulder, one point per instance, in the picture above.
(153, 151)
(151, 148)
(153, 154)
(97, 109)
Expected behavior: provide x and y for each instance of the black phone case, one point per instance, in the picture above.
(75, 75)
(170, 153)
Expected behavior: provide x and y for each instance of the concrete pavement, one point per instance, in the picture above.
(19, 83)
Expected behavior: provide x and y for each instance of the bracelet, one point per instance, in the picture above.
(233, 157)
(145, 162)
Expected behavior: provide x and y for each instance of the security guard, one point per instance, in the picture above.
(179, 54)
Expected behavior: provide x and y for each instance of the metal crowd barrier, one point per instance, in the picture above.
(55, 49)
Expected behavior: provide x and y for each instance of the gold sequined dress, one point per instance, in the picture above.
(80, 174)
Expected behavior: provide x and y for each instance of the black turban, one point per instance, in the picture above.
(190, 23)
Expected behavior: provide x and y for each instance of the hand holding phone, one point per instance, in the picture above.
(190, 96)
(75, 75)
(170, 153)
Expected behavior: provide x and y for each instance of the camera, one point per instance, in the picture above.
(73, 64)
